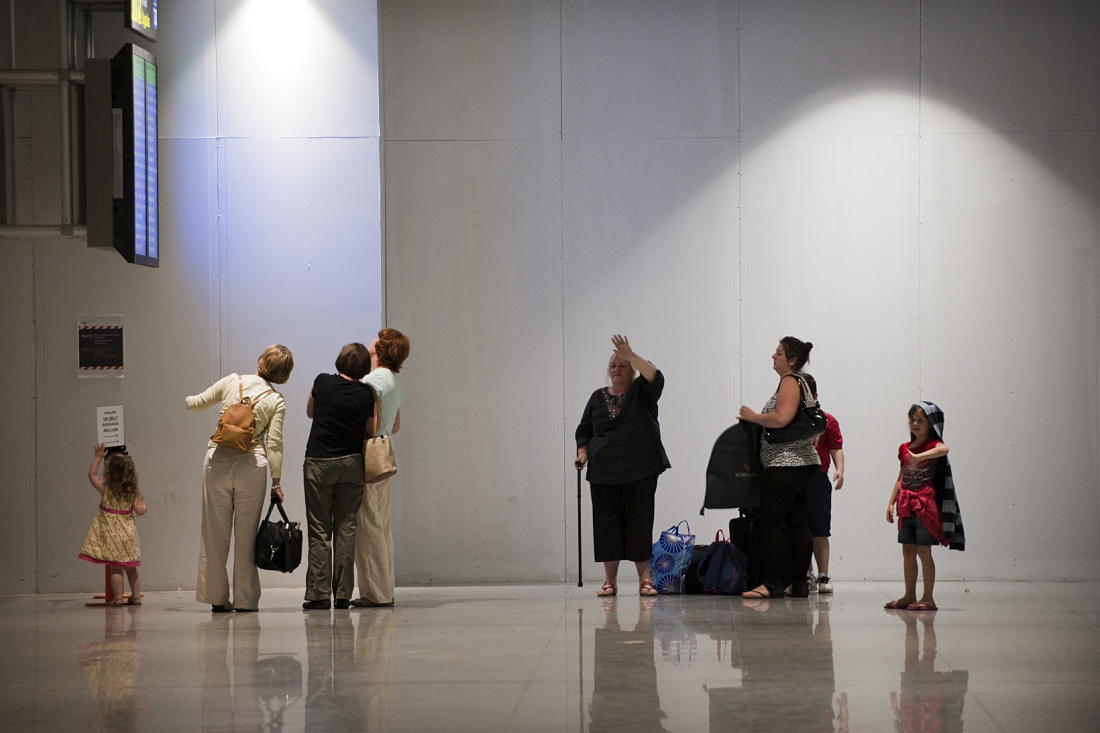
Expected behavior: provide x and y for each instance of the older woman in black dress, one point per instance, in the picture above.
(620, 441)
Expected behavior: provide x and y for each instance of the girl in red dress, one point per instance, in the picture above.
(920, 524)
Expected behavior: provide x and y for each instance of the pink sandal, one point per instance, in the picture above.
(922, 606)
(645, 588)
(608, 589)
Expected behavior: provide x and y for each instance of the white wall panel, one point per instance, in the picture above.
(472, 70)
(475, 279)
(829, 242)
(167, 321)
(825, 224)
(1008, 327)
(187, 80)
(1010, 65)
(302, 260)
(649, 69)
(261, 240)
(651, 252)
(301, 69)
(17, 429)
(912, 186)
(799, 58)
(829, 235)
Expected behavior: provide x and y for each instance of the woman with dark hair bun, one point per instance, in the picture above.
(373, 536)
(340, 406)
(786, 544)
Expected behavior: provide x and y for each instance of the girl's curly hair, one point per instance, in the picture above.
(120, 477)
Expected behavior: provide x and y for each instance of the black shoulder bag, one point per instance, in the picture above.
(808, 422)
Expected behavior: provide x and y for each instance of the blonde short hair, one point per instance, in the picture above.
(275, 364)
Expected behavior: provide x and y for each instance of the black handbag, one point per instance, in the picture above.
(278, 544)
(808, 420)
(692, 583)
(735, 472)
(745, 536)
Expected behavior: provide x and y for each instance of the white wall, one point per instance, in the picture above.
(911, 186)
(270, 232)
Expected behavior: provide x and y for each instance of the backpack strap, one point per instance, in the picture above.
(252, 406)
(256, 400)
(252, 401)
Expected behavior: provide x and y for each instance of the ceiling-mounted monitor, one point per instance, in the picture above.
(134, 98)
(141, 18)
(121, 156)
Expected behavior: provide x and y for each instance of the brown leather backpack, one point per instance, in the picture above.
(237, 425)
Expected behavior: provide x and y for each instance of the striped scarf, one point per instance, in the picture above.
(946, 496)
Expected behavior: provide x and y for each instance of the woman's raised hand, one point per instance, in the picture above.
(622, 347)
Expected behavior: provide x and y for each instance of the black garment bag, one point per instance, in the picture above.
(735, 472)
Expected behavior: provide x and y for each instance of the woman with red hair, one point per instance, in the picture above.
(373, 537)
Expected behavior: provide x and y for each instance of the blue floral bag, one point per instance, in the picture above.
(671, 556)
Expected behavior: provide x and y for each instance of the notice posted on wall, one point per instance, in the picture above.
(99, 344)
(112, 430)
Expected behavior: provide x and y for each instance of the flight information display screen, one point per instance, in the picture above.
(141, 163)
(151, 202)
(141, 17)
(134, 98)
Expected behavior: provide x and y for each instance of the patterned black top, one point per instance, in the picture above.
(622, 433)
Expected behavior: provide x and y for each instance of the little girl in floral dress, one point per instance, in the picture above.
(113, 538)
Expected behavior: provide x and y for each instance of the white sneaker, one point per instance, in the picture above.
(812, 582)
(824, 584)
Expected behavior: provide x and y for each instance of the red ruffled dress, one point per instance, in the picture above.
(918, 492)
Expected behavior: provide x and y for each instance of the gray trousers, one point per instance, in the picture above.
(333, 493)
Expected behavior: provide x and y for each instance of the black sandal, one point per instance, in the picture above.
(758, 594)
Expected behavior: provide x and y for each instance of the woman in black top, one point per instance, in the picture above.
(620, 440)
(340, 406)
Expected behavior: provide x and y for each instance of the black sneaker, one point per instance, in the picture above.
(317, 605)
(343, 603)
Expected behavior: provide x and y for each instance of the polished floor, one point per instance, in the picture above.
(995, 657)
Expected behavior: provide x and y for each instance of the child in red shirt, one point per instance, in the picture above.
(920, 524)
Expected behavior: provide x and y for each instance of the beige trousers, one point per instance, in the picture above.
(374, 544)
(234, 486)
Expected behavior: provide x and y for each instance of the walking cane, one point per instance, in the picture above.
(580, 563)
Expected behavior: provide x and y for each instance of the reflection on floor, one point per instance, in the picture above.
(995, 657)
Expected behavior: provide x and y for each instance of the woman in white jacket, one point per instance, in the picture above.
(233, 482)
